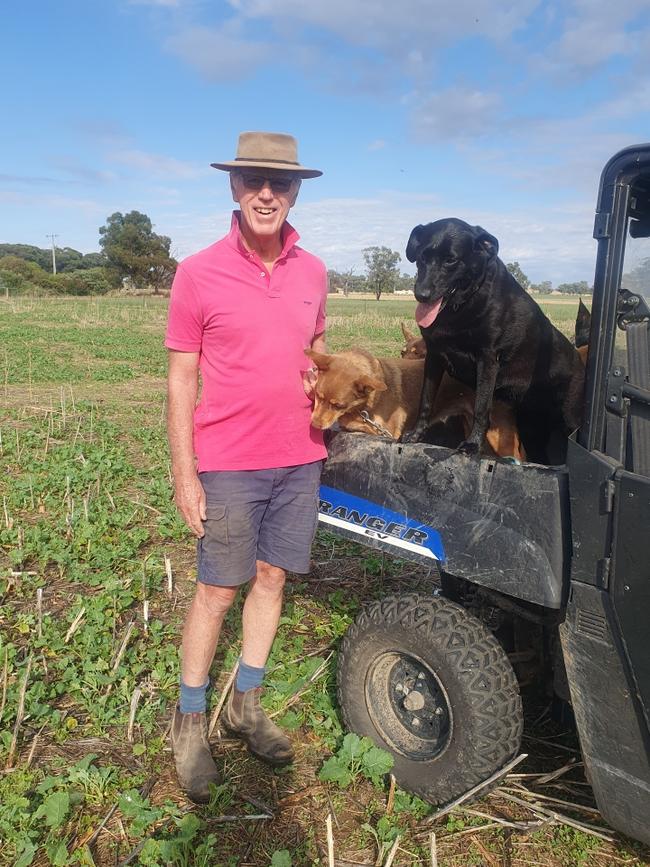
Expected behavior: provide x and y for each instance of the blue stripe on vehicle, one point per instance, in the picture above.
(372, 521)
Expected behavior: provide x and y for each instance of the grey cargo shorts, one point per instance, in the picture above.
(268, 515)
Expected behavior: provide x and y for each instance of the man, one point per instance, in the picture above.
(246, 461)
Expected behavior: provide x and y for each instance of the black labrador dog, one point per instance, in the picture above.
(484, 329)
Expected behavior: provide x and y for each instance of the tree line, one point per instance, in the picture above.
(133, 258)
(382, 275)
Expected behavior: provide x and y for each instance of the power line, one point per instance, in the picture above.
(53, 252)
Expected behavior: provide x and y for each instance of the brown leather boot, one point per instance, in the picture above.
(244, 717)
(195, 766)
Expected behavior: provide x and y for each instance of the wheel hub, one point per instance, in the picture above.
(408, 705)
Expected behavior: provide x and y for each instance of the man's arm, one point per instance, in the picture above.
(182, 391)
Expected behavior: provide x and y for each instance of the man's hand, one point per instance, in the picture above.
(189, 497)
(309, 378)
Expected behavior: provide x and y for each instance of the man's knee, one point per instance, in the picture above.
(216, 600)
(269, 578)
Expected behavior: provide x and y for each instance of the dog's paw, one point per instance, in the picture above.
(468, 448)
(413, 436)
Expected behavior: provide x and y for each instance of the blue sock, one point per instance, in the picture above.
(248, 677)
(193, 698)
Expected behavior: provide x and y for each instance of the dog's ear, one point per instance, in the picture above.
(485, 242)
(414, 243)
(407, 334)
(321, 360)
(583, 325)
(365, 384)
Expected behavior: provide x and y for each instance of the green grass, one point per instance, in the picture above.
(81, 340)
(87, 518)
(375, 325)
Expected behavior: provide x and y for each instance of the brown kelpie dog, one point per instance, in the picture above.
(582, 329)
(353, 382)
(381, 396)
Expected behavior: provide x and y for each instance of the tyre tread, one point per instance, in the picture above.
(483, 668)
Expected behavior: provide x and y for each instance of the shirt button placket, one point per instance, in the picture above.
(272, 287)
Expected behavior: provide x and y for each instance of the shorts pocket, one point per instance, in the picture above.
(216, 524)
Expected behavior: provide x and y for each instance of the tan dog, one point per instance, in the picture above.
(414, 347)
(387, 390)
(352, 382)
(582, 329)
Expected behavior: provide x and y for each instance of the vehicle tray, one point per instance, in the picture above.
(476, 519)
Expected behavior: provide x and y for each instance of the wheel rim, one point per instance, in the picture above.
(408, 705)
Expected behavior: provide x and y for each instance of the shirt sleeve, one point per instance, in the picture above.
(321, 319)
(185, 320)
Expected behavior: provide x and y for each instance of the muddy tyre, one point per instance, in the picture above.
(428, 682)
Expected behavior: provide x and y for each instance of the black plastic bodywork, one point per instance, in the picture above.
(619, 180)
(486, 512)
(574, 539)
(604, 635)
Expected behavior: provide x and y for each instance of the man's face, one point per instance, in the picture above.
(265, 197)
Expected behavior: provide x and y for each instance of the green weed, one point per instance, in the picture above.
(356, 757)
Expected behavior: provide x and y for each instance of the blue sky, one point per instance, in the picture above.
(501, 113)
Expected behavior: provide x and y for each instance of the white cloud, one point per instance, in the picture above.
(457, 113)
(410, 34)
(412, 26)
(27, 180)
(155, 164)
(37, 203)
(221, 54)
(594, 32)
(553, 242)
(81, 172)
(102, 130)
(377, 145)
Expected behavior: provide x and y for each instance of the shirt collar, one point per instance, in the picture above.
(289, 235)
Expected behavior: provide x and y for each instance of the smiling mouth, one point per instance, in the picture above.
(265, 212)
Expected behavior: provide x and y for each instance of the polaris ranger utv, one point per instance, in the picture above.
(549, 556)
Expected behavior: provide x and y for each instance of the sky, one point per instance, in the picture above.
(500, 113)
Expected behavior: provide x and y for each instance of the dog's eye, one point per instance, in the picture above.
(450, 260)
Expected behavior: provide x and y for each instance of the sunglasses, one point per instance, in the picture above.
(279, 184)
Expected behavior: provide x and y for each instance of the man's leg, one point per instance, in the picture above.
(201, 631)
(244, 715)
(226, 555)
(194, 763)
(285, 537)
(261, 613)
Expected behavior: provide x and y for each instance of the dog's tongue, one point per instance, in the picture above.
(425, 314)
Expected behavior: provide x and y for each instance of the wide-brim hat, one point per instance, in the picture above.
(268, 150)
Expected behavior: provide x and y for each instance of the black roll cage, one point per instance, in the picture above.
(616, 204)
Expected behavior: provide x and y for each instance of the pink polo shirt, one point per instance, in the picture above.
(250, 328)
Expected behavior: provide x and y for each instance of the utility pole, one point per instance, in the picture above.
(53, 252)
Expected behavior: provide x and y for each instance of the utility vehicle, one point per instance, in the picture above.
(543, 570)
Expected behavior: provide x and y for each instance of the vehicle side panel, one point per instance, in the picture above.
(501, 526)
